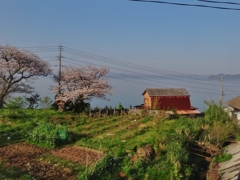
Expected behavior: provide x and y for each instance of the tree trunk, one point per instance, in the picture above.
(1, 102)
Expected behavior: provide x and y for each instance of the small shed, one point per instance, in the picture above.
(169, 99)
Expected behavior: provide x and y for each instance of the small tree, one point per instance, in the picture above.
(215, 112)
(79, 84)
(106, 108)
(120, 106)
(46, 102)
(16, 103)
(17, 70)
(33, 100)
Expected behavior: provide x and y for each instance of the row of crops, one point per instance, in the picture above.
(124, 140)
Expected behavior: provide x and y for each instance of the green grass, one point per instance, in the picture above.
(7, 173)
(114, 135)
(63, 163)
(223, 158)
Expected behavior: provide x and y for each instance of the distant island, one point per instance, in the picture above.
(225, 76)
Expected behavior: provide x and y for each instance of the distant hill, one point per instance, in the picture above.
(225, 76)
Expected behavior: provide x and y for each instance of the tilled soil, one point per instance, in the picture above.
(24, 156)
(80, 155)
(213, 172)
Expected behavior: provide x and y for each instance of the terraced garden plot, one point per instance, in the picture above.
(80, 155)
(26, 157)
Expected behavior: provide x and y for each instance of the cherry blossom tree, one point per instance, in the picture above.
(18, 69)
(83, 83)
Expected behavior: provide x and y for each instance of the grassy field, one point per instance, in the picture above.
(135, 146)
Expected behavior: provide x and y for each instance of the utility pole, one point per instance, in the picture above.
(222, 94)
(59, 70)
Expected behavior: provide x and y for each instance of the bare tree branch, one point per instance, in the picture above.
(16, 67)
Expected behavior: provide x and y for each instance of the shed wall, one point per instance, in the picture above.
(167, 102)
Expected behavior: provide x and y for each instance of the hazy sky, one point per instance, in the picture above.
(184, 40)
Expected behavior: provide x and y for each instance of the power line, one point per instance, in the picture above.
(154, 85)
(189, 5)
(143, 75)
(137, 77)
(126, 78)
(168, 75)
(124, 64)
(128, 65)
(220, 2)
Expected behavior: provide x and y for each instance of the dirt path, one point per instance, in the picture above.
(25, 156)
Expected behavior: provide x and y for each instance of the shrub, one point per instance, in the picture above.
(215, 112)
(46, 102)
(222, 158)
(100, 170)
(153, 173)
(238, 138)
(16, 103)
(135, 170)
(49, 135)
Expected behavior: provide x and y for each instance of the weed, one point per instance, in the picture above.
(222, 158)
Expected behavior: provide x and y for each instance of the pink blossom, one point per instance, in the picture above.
(82, 83)
(17, 68)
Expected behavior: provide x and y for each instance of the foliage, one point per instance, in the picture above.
(222, 158)
(120, 106)
(49, 135)
(10, 134)
(61, 162)
(45, 102)
(99, 170)
(13, 173)
(16, 103)
(119, 135)
(218, 133)
(238, 138)
(215, 112)
(78, 106)
(33, 100)
(17, 69)
(136, 170)
(84, 83)
(159, 170)
(14, 108)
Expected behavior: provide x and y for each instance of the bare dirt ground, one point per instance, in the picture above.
(212, 173)
(25, 156)
(80, 155)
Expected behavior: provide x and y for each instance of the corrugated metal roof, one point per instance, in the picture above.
(166, 92)
(235, 102)
(185, 112)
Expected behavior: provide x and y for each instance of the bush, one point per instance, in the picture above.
(49, 135)
(46, 102)
(100, 170)
(137, 170)
(215, 112)
(238, 138)
(223, 158)
(154, 173)
(16, 103)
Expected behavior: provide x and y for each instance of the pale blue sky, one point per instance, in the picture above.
(189, 40)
